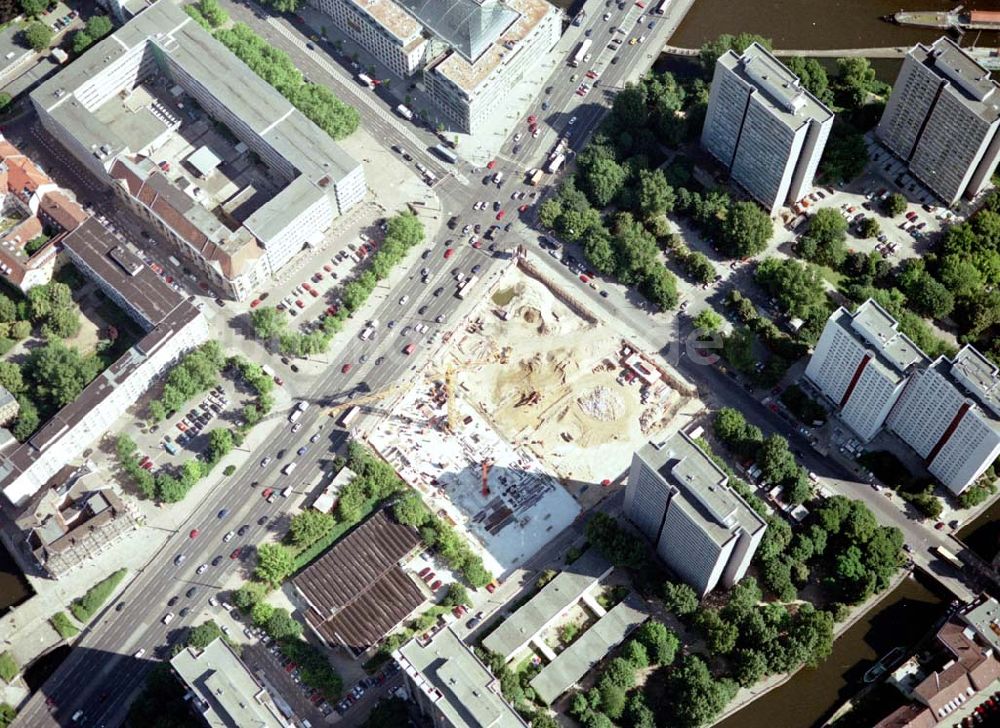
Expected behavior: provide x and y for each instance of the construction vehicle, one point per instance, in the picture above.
(486, 470)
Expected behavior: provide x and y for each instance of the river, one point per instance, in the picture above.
(807, 24)
(14, 588)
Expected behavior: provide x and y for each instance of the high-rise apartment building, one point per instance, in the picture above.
(947, 410)
(701, 528)
(860, 364)
(943, 119)
(197, 144)
(472, 52)
(764, 127)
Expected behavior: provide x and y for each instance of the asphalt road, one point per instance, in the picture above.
(101, 676)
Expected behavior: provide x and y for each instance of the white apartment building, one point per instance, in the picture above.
(860, 365)
(140, 111)
(701, 528)
(173, 327)
(764, 127)
(472, 52)
(948, 411)
(942, 119)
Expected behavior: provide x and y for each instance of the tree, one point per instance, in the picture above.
(393, 712)
(845, 155)
(895, 204)
(60, 373)
(635, 652)
(310, 526)
(34, 8)
(8, 667)
(281, 626)
(655, 196)
(679, 598)
(720, 634)
(743, 599)
(708, 321)
(267, 322)
(613, 698)
(212, 12)
(260, 613)
(639, 714)
(813, 76)
(855, 81)
(249, 594)
(220, 443)
(823, 243)
(98, 26)
(798, 287)
(869, 228)
(660, 287)
(604, 178)
(5, 101)
(750, 667)
(11, 378)
(456, 594)
(616, 544)
(695, 695)
(410, 510)
(7, 714)
(202, 635)
(746, 230)
(661, 644)
(620, 672)
(274, 563)
(777, 463)
(711, 50)
(37, 35)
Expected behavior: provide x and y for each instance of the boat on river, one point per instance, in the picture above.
(882, 666)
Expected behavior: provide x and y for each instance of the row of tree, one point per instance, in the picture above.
(197, 372)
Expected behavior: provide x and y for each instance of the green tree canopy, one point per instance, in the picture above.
(274, 563)
(37, 35)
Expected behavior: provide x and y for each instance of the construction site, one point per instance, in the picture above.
(531, 408)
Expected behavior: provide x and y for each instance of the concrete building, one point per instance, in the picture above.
(701, 528)
(142, 111)
(576, 582)
(948, 410)
(472, 52)
(861, 363)
(451, 686)
(764, 127)
(224, 692)
(77, 517)
(942, 119)
(9, 406)
(172, 326)
(36, 214)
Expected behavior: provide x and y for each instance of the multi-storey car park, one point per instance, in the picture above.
(765, 127)
(172, 326)
(947, 410)
(472, 54)
(943, 119)
(197, 144)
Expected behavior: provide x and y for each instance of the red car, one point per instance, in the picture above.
(491, 164)
(314, 293)
(298, 302)
(267, 493)
(194, 533)
(532, 120)
(318, 277)
(491, 587)
(307, 286)
(584, 279)
(236, 553)
(328, 268)
(255, 303)
(523, 208)
(458, 610)
(428, 576)
(478, 244)
(345, 369)
(331, 310)
(448, 253)
(424, 572)
(409, 349)
(501, 214)
(279, 381)
(436, 585)
(181, 426)
(148, 465)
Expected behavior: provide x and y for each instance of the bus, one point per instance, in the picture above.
(662, 8)
(348, 417)
(581, 52)
(445, 153)
(467, 284)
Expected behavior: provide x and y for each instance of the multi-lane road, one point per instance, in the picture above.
(101, 675)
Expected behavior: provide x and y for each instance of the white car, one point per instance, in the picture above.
(202, 569)
(140, 652)
(264, 462)
(572, 119)
(607, 16)
(517, 137)
(228, 537)
(225, 630)
(535, 133)
(296, 427)
(403, 300)
(314, 438)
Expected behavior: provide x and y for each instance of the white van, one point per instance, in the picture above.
(174, 261)
(77, 715)
(286, 492)
(302, 406)
(288, 469)
(295, 415)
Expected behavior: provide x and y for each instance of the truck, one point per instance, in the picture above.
(467, 285)
(948, 556)
(555, 163)
(349, 416)
(535, 177)
(403, 111)
(581, 52)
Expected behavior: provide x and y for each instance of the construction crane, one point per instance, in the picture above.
(486, 469)
(372, 397)
(454, 424)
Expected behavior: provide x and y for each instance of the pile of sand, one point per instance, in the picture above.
(602, 404)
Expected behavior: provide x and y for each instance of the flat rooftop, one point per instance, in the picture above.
(563, 591)
(590, 648)
(979, 376)
(456, 682)
(786, 98)
(228, 694)
(969, 81)
(702, 488)
(874, 326)
(124, 270)
(75, 96)
(984, 617)
(487, 37)
(392, 17)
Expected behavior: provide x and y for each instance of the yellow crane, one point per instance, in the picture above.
(454, 424)
(368, 398)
